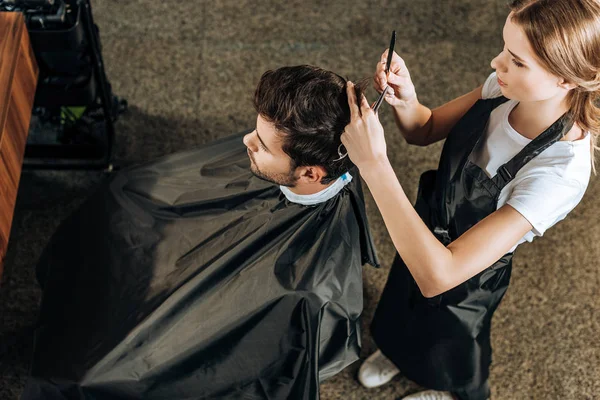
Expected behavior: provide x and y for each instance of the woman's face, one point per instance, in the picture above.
(520, 74)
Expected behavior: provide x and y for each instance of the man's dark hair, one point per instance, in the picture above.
(309, 105)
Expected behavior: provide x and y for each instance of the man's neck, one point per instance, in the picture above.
(309, 188)
(312, 194)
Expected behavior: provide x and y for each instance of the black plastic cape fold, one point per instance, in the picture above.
(189, 278)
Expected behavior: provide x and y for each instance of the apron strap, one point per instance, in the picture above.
(484, 108)
(495, 102)
(553, 134)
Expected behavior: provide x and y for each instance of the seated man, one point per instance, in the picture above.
(189, 278)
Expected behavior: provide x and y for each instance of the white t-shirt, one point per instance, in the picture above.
(549, 186)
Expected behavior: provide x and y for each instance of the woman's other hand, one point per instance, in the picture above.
(402, 90)
(363, 137)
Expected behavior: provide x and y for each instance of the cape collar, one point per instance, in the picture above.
(319, 197)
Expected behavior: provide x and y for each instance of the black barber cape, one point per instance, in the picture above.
(189, 278)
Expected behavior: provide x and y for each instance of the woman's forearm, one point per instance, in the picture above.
(414, 121)
(421, 126)
(435, 267)
(424, 255)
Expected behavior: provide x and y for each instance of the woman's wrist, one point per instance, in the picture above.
(375, 169)
(412, 121)
(403, 106)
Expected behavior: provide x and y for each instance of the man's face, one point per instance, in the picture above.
(267, 158)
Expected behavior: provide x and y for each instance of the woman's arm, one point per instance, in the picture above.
(435, 267)
(440, 120)
(418, 124)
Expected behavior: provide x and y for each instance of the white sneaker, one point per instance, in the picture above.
(376, 370)
(430, 395)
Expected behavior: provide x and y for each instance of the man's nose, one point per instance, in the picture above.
(248, 141)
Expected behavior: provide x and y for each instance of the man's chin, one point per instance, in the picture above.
(262, 177)
(270, 179)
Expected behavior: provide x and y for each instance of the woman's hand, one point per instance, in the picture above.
(402, 90)
(363, 137)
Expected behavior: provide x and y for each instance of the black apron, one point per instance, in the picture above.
(443, 342)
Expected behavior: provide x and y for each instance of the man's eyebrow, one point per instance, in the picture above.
(261, 141)
(516, 56)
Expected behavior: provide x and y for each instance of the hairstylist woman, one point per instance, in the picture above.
(517, 159)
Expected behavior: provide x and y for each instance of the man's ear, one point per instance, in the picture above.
(311, 174)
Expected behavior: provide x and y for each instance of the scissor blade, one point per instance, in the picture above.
(379, 100)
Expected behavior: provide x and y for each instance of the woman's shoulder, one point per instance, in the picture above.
(491, 88)
(564, 162)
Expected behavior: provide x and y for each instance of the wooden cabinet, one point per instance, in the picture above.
(18, 80)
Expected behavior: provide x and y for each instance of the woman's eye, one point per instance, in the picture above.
(262, 146)
(518, 64)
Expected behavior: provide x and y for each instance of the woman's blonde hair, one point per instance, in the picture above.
(565, 36)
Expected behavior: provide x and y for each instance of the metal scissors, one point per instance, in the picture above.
(387, 71)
